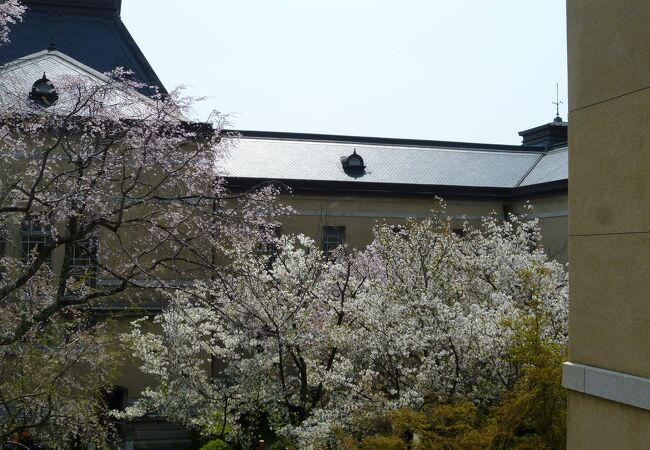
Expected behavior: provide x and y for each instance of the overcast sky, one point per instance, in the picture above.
(476, 71)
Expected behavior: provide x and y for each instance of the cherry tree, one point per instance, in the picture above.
(305, 344)
(269, 329)
(11, 11)
(443, 304)
(107, 197)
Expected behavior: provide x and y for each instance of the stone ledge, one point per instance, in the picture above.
(608, 384)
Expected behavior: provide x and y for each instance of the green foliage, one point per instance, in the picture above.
(216, 444)
(283, 444)
(383, 443)
(531, 415)
(55, 381)
(453, 426)
(198, 440)
(448, 426)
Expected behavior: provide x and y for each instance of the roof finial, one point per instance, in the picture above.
(557, 104)
(51, 47)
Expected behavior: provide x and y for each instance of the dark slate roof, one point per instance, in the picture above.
(92, 34)
(115, 5)
(392, 165)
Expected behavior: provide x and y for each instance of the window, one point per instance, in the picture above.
(332, 238)
(116, 398)
(83, 263)
(271, 233)
(34, 236)
(269, 244)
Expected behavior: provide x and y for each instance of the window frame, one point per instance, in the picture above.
(82, 265)
(31, 237)
(333, 237)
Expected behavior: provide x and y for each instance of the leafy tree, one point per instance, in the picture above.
(447, 426)
(533, 412)
(530, 415)
(216, 444)
(308, 345)
(105, 196)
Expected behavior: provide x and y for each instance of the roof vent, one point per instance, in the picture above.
(43, 92)
(353, 165)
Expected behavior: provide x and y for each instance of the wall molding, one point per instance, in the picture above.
(394, 215)
(608, 384)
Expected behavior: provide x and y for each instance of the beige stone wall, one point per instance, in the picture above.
(552, 211)
(609, 199)
(599, 424)
(359, 214)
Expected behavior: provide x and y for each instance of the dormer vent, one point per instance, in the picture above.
(353, 165)
(43, 92)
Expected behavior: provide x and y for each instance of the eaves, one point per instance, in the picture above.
(318, 187)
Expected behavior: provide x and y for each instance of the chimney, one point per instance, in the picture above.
(548, 135)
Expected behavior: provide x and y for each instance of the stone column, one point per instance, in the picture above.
(608, 375)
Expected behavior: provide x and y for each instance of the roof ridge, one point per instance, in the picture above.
(518, 184)
(374, 140)
(60, 55)
(558, 148)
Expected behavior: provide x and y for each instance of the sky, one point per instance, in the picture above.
(464, 70)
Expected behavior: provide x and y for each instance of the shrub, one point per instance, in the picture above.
(216, 444)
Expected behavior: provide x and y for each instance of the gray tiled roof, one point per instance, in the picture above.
(17, 77)
(552, 167)
(426, 164)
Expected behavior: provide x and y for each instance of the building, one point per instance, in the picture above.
(397, 178)
(81, 260)
(88, 31)
(608, 375)
(341, 186)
